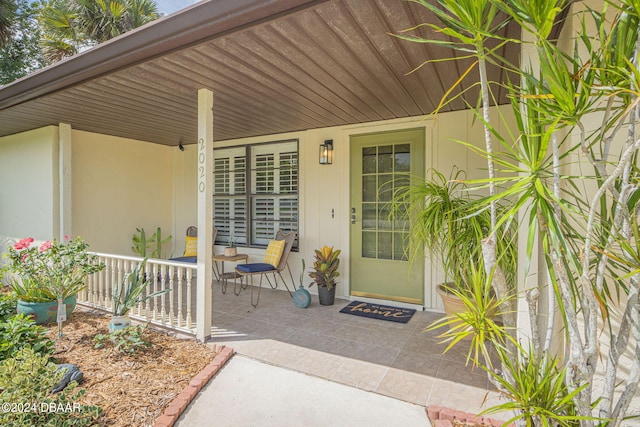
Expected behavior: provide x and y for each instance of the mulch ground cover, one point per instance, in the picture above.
(132, 390)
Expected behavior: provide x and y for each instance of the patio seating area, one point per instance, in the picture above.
(392, 359)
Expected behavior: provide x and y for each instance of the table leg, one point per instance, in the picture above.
(242, 284)
(216, 272)
(224, 280)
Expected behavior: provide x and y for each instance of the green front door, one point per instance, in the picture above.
(379, 267)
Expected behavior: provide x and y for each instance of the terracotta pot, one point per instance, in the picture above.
(452, 304)
(230, 251)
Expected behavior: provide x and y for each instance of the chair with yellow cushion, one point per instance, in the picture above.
(191, 244)
(275, 261)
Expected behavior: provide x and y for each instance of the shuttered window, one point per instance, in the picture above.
(230, 195)
(251, 216)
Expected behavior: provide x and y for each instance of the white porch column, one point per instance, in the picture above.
(64, 177)
(205, 213)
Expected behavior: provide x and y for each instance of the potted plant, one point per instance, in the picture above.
(46, 278)
(142, 243)
(231, 249)
(446, 220)
(324, 274)
(130, 294)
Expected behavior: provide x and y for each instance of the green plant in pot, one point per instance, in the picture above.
(324, 273)
(231, 249)
(445, 218)
(142, 243)
(51, 273)
(129, 294)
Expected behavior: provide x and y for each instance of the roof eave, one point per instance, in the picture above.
(194, 25)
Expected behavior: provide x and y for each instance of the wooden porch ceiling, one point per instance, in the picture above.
(319, 64)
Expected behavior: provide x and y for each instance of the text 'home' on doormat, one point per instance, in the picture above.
(377, 311)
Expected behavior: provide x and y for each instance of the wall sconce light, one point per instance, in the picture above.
(326, 152)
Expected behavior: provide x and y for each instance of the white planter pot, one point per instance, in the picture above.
(119, 322)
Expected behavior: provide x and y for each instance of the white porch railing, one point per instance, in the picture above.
(175, 309)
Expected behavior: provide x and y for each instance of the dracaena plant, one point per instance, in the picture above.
(444, 218)
(569, 174)
(325, 267)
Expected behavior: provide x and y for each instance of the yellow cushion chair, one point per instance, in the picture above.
(275, 261)
(191, 245)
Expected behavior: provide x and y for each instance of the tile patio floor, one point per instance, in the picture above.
(393, 359)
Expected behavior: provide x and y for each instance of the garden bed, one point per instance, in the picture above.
(132, 390)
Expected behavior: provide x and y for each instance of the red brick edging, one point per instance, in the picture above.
(180, 402)
(447, 417)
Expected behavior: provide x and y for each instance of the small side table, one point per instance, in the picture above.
(224, 277)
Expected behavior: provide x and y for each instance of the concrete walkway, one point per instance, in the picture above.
(319, 347)
(247, 392)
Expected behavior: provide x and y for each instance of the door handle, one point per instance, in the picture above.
(353, 216)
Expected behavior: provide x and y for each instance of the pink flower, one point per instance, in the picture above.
(66, 237)
(46, 245)
(24, 257)
(23, 243)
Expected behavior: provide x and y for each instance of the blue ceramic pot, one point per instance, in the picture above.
(45, 312)
(302, 297)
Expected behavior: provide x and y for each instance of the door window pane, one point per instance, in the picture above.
(385, 187)
(369, 249)
(385, 245)
(369, 188)
(369, 160)
(385, 158)
(400, 242)
(383, 217)
(369, 212)
(385, 169)
(402, 158)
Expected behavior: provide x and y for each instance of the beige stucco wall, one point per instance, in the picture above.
(28, 172)
(119, 184)
(185, 194)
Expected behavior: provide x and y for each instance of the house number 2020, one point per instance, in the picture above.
(201, 160)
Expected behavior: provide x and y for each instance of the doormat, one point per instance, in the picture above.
(377, 311)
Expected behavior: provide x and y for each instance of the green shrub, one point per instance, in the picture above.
(8, 306)
(18, 332)
(538, 395)
(25, 394)
(126, 340)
